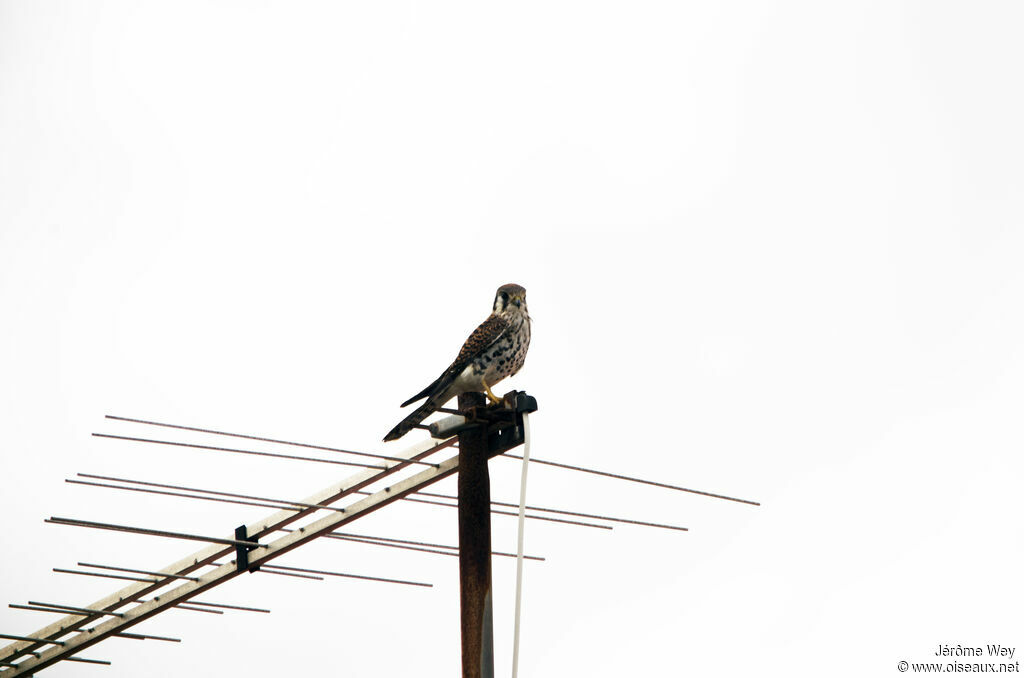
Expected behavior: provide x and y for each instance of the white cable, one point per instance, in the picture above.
(519, 552)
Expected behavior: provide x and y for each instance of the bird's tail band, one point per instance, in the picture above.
(410, 422)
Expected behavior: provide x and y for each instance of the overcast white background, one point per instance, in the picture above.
(771, 250)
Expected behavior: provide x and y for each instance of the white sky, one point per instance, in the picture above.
(772, 250)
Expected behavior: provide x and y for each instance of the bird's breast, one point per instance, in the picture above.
(505, 356)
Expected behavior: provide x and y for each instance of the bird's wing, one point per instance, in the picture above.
(482, 337)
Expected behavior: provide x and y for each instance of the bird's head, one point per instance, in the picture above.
(510, 297)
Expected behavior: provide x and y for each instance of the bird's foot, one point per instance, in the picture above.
(495, 400)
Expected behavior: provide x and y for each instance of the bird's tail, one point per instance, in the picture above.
(407, 424)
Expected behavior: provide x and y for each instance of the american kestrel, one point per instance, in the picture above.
(495, 350)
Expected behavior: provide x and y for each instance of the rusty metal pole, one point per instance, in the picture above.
(475, 547)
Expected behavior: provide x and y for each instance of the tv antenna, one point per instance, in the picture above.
(475, 431)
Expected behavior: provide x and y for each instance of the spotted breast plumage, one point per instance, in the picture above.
(495, 350)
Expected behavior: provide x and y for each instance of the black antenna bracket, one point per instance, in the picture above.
(242, 550)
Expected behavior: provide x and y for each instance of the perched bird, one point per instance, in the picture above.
(495, 350)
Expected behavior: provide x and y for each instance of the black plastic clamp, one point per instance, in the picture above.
(242, 550)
